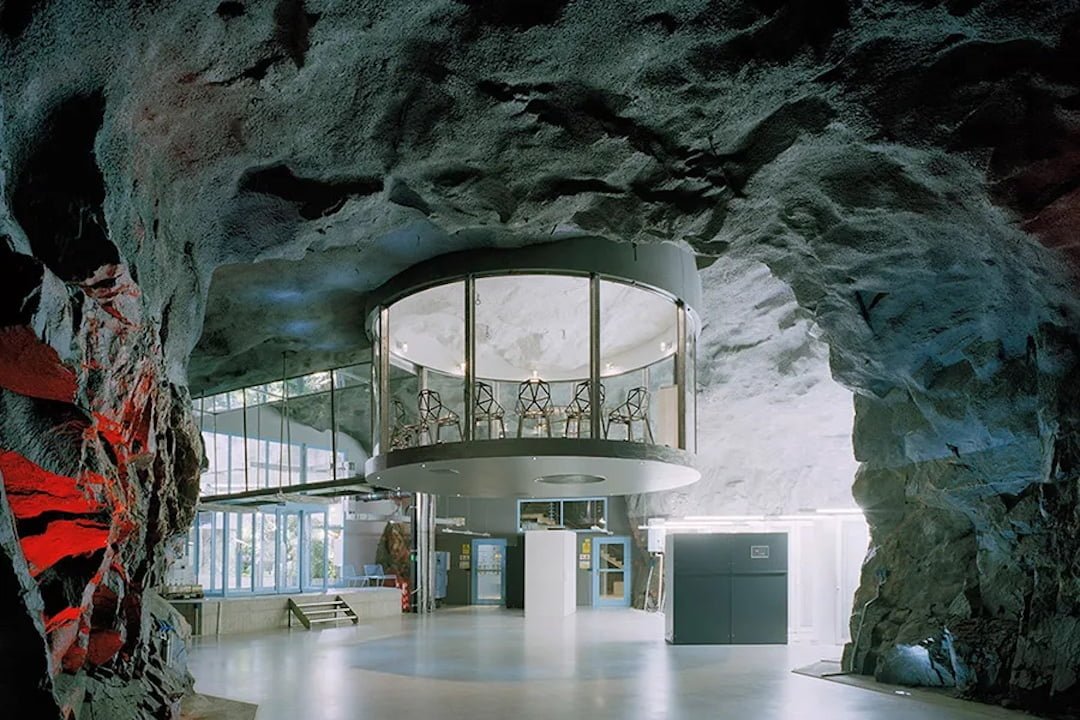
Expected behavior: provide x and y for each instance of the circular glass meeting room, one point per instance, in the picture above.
(564, 369)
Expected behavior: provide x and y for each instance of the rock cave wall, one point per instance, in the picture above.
(189, 190)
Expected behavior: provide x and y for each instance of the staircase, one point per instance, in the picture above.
(321, 611)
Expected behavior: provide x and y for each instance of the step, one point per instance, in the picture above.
(331, 619)
(318, 604)
(335, 611)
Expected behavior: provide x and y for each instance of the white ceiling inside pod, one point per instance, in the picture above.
(528, 324)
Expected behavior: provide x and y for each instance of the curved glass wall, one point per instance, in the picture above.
(530, 355)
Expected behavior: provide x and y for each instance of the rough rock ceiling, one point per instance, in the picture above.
(381, 135)
(232, 178)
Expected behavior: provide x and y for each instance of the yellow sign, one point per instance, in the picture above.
(465, 548)
(586, 545)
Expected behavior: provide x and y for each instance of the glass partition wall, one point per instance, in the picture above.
(279, 550)
(284, 435)
(530, 355)
(299, 431)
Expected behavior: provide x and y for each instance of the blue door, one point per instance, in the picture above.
(488, 571)
(611, 572)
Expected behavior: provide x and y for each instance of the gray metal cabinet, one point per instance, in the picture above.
(726, 588)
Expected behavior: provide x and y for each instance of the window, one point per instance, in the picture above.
(285, 433)
(568, 513)
(290, 549)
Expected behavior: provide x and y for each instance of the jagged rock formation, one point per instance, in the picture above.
(908, 168)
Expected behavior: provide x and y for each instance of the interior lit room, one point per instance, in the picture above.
(556, 358)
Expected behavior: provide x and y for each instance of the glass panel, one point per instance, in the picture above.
(335, 538)
(539, 514)
(611, 556)
(219, 481)
(205, 538)
(290, 551)
(315, 539)
(691, 384)
(278, 459)
(265, 551)
(309, 435)
(404, 412)
(377, 381)
(612, 586)
(222, 434)
(532, 352)
(353, 406)
(638, 335)
(427, 359)
(583, 514)
(245, 562)
(208, 479)
(237, 475)
(440, 407)
(664, 401)
(488, 572)
(255, 417)
(353, 375)
(236, 552)
(308, 384)
(318, 465)
(218, 553)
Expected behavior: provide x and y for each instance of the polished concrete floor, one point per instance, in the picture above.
(491, 664)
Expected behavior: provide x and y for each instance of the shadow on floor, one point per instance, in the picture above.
(208, 707)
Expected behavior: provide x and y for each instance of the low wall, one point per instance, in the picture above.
(226, 616)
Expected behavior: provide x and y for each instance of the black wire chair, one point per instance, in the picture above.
(434, 414)
(534, 403)
(580, 408)
(404, 433)
(635, 409)
(487, 409)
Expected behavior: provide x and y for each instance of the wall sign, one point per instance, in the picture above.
(759, 552)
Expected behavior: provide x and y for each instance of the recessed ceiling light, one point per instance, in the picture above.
(571, 479)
